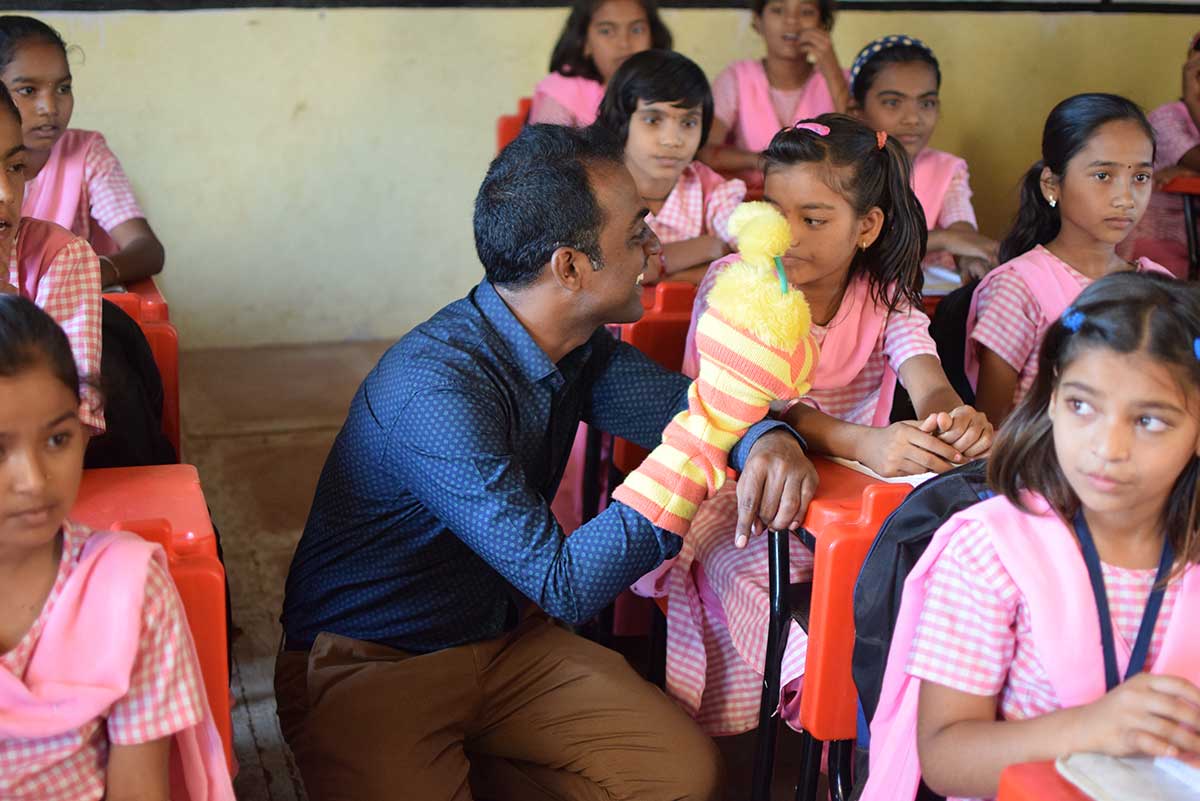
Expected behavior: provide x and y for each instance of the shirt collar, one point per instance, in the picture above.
(532, 361)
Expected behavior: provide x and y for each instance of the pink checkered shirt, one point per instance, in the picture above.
(165, 695)
(107, 194)
(904, 335)
(687, 213)
(956, 208)
(69, 291)
(975, 634)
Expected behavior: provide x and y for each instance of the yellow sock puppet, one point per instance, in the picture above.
(755, 345)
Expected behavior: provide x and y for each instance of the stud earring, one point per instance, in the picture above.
(1053, 202)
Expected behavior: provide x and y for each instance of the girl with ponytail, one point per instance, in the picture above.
(1078, 203)
(858, 237)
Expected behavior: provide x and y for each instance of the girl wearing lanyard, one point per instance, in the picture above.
(1059, 615)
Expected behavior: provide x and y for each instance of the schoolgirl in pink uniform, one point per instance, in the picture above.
(597, 38)
(1077, 204)
(894, 85)
(1059, 616)
(800, 78)
(1162, 235)
(74, 179)
(856, 254)
(100, 692)
(660, 106)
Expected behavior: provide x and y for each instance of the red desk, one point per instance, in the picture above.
(1190, 189)
(1036, 781)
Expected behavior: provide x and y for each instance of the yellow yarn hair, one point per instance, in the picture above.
(747, 294)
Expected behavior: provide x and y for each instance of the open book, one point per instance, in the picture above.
(1106, 778)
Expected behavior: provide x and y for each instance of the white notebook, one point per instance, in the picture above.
(915, 480)
(1106, 778)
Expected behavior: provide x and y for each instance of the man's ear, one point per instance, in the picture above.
(568, 267)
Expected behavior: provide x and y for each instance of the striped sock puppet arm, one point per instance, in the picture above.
(755, 346)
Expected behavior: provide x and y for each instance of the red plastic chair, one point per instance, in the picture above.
(165, 505)
(661, 334)
(1190, 189)
(141, 300)
(840, 525)
(1036, 781)
(508, 126)
(164, 344)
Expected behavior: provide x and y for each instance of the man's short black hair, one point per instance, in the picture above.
(537, 197)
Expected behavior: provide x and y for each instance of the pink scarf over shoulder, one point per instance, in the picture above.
(1052, 284)
(757, 121)
(85, 657)
(1042, 556)
(849, 342)
(580, 96)
(931, 175)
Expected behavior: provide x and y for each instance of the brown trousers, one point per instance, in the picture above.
(538, 713)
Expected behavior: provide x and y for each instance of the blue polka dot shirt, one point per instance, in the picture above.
(431, 524)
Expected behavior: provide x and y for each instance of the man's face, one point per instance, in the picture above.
(613, 292)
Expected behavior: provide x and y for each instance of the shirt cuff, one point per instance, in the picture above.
(741, 451)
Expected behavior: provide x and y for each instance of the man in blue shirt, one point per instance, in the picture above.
(419, 659)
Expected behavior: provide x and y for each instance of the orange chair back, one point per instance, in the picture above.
(165, 505)
(141, 300)
(508, 126)
(164, 344)
(661, 334)
(844, 518)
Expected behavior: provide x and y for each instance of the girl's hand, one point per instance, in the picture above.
(965, 429)
(1167, 174)
(1148, 715)
(907, 448)
(817, 44)
(971, 267)
(968, 242)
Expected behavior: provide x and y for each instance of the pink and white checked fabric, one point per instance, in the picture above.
(108, 195)
(69, 291)
(718, 604)
(687, 213)
(905, 335)
(975, 634)
(1176, 133)
(956, 203)
(165, 695)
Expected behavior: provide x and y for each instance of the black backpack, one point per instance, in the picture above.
(898, 546)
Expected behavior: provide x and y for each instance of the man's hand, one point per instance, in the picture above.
(775, 487)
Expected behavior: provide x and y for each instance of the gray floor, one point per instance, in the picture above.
(258, 424)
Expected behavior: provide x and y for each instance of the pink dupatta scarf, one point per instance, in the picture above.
(580, 96)
(85, 656)
(850, 339)
(931, 175)
(1042, 556)
(1052, 283)
(757, 121)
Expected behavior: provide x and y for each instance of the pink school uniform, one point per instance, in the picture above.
(1161, 234)
(83, 188)
(60, 273)
(564, 100)
(1014, 305)
(984, 612)
(754, 112)
(700, 203)
(717, 594)
(109, 660)
(941, 182)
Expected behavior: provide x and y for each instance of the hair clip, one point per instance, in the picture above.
(872, 49)
(1072, 319)
(815, 127)
(881, 138)
(1196, 347)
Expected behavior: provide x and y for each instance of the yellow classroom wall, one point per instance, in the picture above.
(312, 172)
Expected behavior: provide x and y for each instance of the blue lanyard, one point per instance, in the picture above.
(1141, 647)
